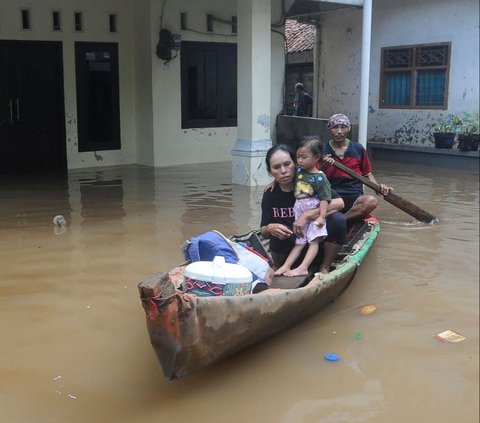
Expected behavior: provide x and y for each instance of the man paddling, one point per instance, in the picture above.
(354, 156)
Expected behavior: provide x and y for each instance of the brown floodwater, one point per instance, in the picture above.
(74, 345)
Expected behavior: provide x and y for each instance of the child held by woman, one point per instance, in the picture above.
(312, 190)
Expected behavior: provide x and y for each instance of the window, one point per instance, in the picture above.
(98, 110)
(112, 22)
(183, 20)
(415, 77)
(56, 24)
(77, 17)
(26, 19)
(209, 84)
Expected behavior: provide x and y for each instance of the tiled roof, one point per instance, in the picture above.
(300, 36)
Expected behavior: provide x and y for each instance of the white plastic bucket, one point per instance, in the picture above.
(205, 278)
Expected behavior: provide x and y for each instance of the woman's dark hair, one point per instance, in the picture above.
(279, 147)
(314, 143)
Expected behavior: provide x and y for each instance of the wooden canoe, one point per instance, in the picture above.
(189, 332)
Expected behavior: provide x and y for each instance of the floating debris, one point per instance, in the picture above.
(449, 336)
(60, 221)
(60, 225)
(368, 309)
(331, 357)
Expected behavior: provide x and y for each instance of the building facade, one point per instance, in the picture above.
(160, 83)
(424, 66)
(150, 82)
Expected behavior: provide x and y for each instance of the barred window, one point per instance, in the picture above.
(415, 77)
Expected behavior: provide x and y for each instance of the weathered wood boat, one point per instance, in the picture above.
(189, 332)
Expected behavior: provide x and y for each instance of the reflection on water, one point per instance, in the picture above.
(206, 207)
(102, 212)
(74, 344)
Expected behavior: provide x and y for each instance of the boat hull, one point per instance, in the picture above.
(189, 332)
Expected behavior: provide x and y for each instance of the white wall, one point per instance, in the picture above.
(143, 56)
(95, 16)
(277, 81)
(433, 21)
(172, 144)
(277, 87)
(339, 63)
(399, 23)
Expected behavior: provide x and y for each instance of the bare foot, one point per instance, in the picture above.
(282, 270)
(299, 271)
(324, 270)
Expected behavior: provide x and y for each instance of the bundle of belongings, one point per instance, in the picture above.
(220, 266)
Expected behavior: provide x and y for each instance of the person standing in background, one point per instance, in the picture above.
(302, 104)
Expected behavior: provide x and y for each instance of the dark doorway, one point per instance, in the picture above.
(32, 117)
(298, 72)
(98, 113)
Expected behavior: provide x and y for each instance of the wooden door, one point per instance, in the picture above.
(32, 119)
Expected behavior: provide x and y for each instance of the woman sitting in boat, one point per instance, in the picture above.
(354, 156)
(278, 220)
(312, 191)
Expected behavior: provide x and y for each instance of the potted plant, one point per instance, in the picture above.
(445, 131)
(469, 138)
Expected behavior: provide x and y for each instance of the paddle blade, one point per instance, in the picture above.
(410, 208)
(392, 198)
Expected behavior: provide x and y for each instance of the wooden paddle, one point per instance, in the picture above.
(397, 201)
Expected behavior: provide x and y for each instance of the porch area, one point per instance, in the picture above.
(425, 155)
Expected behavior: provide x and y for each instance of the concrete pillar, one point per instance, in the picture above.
(254, 70)
(365, 72)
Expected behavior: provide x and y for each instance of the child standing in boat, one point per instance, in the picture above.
(312, 190)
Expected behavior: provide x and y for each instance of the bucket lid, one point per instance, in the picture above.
(217, 271)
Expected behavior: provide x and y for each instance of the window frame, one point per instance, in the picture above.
(84, 90)
(414, 69)
(221, 118)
